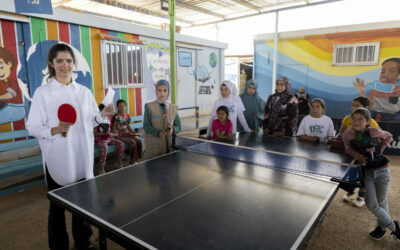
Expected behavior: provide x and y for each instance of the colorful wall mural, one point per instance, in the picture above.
(307, 62)
(23, 65)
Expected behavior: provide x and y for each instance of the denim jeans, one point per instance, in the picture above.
(376, 189)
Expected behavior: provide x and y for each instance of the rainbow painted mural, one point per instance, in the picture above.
(29, 42)
(307, 62)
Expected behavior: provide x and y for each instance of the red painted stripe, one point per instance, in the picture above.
(9, 42)
(63, 32)
(138, 98)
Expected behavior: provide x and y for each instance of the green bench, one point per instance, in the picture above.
(19, 166)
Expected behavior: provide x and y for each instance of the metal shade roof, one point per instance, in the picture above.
(189, 13)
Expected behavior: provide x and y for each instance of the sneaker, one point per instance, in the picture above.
(396, 234)
(359, 202)
(378, 233)
(348, 197)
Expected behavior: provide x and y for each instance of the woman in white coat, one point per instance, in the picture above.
(65, 159)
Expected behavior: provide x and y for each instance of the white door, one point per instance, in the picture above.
(185, 81)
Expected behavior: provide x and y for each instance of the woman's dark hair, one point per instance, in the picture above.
(393, 59)
(362, 111)
(320, 101)
(364, 101)
(225, 109)
(121, 101)
(53, 53)
(101, 107)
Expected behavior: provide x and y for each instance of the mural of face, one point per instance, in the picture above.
(5, 69)
(389, 72)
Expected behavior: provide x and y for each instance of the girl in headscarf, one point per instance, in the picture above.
(161, 121)
(231, 100)
(281, 110)
(253, 104)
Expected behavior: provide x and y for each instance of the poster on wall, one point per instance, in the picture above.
(158, 61)
(185, 59)
(203, 74)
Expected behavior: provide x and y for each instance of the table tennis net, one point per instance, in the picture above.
(270, 159)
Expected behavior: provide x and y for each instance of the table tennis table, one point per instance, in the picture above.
(243, 194)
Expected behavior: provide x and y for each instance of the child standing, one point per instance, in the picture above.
(121, 123)
(366, 146)
(161, 122)
(102, 138)
(232, 101)
(281, 111)
(222, 126)
(253, 104)
(316, 126)
(359, 102)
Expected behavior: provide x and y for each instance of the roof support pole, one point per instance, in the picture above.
(276, 37)
(171, 12)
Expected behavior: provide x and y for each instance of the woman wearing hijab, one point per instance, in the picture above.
(253, 104)
(161, 121)
(235, 106)
(281, 110)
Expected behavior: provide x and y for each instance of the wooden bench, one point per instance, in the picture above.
(19, 166)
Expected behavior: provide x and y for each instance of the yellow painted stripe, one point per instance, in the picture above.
(131, 102)
(311, 49)
(96, 64)
(52, 30)
(325, 66)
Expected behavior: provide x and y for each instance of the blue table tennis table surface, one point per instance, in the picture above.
(193, 200)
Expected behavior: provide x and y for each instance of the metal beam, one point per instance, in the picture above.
(139, 10)
(247, 4)
(266, 12)
(198, 9)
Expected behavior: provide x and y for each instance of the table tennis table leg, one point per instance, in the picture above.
(102, 240)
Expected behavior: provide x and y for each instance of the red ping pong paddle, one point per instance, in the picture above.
(67, 113)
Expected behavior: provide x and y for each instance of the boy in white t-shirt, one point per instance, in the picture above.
(316, 126)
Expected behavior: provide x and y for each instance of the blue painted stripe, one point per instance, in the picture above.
(117, 96)
(75, 35)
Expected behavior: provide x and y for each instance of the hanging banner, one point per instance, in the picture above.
(33, 6)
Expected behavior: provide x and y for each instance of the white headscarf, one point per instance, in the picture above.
(231, 86)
